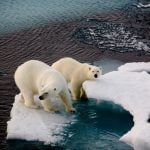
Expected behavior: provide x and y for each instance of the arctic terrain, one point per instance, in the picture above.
(124, 84)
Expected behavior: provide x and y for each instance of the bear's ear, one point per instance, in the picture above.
(89, 68)
(43, 96)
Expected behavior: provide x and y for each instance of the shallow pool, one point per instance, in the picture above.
(96, 126)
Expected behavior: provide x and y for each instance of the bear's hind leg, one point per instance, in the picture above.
(66, 99)
(29, 99)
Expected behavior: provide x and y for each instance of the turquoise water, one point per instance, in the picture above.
(18, 14)
(98, 126)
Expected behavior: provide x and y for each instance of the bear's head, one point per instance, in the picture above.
(50, 91)
(93, 72)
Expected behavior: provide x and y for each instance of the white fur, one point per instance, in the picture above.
(76, 73)
(35, 77)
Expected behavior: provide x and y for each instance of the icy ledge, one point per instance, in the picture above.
(131, 90)
(36, 124)
(135, 67)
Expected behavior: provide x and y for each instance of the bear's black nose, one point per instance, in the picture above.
(41, 97)
(95, 75)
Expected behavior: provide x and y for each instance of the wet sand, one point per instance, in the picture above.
(47, 43)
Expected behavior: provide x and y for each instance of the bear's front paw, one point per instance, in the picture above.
(72, 110)
(51, 110)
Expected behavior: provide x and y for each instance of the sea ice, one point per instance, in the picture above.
(135, 67)
(131, 90)
(36, 124)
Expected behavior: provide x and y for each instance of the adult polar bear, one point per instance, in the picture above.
(35, 77)
(76, 73)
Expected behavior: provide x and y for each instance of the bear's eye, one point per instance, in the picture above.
(54, 89)
(97, 71)
(92, 71)
(89, 68)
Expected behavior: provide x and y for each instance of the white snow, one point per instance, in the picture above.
(36, 124)
(131, 90)
(135, 67)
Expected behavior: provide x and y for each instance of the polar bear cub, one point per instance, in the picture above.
(76, 73)
(35, 77)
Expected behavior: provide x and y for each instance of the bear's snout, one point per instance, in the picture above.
(41, 97)
(95, 75)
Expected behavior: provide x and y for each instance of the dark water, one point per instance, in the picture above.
(97, 126)
(19, 14)
(118, 36)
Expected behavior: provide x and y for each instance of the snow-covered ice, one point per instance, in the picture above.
(36, 124)
(135, 67)
(131, 90)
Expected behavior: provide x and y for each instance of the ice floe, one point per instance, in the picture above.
(131, 90)
(135, 67)
(36, 124)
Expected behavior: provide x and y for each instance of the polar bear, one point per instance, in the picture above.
(35, 77)
(76, 73)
